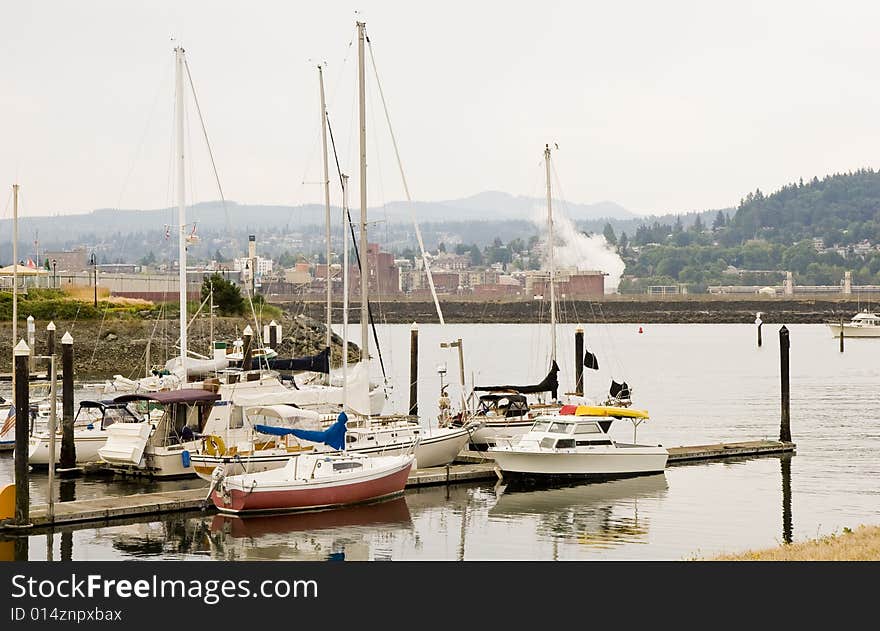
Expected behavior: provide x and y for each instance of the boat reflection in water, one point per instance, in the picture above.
(600, 514)
(349, 533)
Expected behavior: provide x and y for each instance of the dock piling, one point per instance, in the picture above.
(579, 361)
(22, 354)
(414, 369)
(50, 338)
(53, 423)
(841, 335)
(247, 337)
(785, 421)
(759, 323)
(68, 447)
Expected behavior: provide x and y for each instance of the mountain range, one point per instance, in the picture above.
(234, 216)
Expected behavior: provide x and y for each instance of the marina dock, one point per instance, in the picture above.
(466, 469)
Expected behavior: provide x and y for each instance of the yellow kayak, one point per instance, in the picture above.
(609, 410)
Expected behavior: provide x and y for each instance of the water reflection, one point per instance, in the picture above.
(599, 514)
(785, 466)
(350, 533)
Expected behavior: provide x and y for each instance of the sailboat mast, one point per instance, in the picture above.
(181, 207)
(14, 278)
(365, 266)
(550, 247)
(345, 268)
(326, 202)
(14, 267)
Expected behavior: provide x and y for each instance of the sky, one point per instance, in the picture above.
(661, 107)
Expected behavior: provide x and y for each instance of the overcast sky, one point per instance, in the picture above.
(659, 106)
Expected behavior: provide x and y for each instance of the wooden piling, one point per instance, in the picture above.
(22, 358)
(759, 323)
(67, 459)
(579, 361)
(785, 421)
(414, 369)
(273, 335)
(50, 339)
(247, 337)
(841, 335)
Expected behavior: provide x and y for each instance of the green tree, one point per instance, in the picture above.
(227, 295)
(720, 221)
(610, 237)
(476, 256)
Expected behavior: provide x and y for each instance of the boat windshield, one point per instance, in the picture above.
(541, 426)
(561, 428)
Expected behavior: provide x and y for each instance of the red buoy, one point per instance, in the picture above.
(640, 330)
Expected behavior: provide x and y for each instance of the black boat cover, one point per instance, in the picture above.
(591, 361)
(550, 384)
(619, 390)
(315, 363)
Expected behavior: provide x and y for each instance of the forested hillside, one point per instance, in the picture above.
(816, 229)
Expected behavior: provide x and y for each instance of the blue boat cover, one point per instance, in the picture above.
(334, 436)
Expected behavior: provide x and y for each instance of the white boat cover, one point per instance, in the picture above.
(196, 367)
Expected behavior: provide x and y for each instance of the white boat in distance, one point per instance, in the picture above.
(863, 324)
(575, 443)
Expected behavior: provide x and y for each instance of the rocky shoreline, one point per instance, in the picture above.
(118, 346)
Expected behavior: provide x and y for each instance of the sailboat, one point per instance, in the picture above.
(367, 434)
(314, 480)
(505, 409)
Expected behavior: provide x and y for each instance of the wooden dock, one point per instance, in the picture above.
(114, 508)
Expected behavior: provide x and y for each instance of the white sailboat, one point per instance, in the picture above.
(367, 434)
(504, 409)
(162, 448)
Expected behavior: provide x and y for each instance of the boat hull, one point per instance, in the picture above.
(616, 462)
(854, 331)
(86, 444)
(435, 450)
(378, 485)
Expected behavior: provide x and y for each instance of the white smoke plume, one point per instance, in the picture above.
(575, 250)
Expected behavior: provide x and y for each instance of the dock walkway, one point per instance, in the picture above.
(473, 469)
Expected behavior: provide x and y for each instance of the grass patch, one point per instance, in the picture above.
(861, 544)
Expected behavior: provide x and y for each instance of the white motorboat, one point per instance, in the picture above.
(575, 442)
(89, 432)
(863, 324)
(159, 447)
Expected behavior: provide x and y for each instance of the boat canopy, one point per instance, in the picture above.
(550, 384)
(314, 363)
(184, 395)
(334, 436)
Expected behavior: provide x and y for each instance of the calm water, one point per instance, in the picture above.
(701, 383)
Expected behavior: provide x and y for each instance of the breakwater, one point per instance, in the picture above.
(617, 309)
